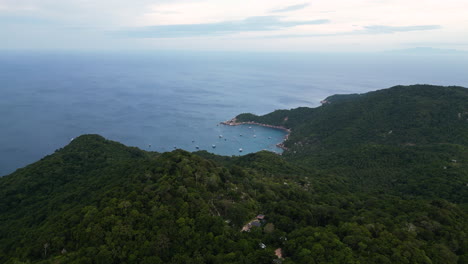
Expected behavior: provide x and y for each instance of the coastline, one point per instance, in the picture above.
(234, 122)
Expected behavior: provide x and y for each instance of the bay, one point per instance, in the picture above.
(177, 99)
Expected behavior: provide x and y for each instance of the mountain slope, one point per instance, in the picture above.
(334, 197)
(418, 114)
(404, 139)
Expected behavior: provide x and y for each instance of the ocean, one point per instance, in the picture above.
(159, 101)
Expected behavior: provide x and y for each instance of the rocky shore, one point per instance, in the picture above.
(234, 122)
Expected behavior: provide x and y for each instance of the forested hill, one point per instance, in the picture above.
(411, 115)
(404, 140)
(375, 178)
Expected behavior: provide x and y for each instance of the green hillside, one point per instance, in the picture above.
(380, 177)
(401, 115)
(405, 139)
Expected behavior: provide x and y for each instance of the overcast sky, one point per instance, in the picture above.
(244, 25)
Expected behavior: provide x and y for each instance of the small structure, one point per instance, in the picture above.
(260, 217)
(262, 245)
(255, 223)
(279, 253)
(246, 228)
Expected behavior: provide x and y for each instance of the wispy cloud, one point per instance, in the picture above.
(379, 29)
(251, 24)
(367, 30)
(290, 8)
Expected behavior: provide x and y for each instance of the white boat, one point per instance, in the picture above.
(240, 150)
(213, 146)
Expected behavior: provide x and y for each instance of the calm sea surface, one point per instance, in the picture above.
(177, 99)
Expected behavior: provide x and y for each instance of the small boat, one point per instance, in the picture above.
(250, 127)
(213, 146)
(240, 150)
(255, 136)
(220, 136)
(149, 146)
(240, 135)
(197, 147)
(269, 137)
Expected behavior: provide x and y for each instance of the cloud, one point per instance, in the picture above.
(250, 24)
(290, 8)
(367, 30)
(379, 29)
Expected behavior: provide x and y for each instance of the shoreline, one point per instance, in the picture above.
(233, 122)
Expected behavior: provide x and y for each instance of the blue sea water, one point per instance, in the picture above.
(177, 99)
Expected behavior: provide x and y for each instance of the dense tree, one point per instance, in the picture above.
(373, 178)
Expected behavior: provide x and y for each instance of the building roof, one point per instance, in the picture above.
(255, 223)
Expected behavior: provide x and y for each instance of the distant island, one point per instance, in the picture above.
(428, 51)
(379, 177)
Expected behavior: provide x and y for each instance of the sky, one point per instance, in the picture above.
(233, 25)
